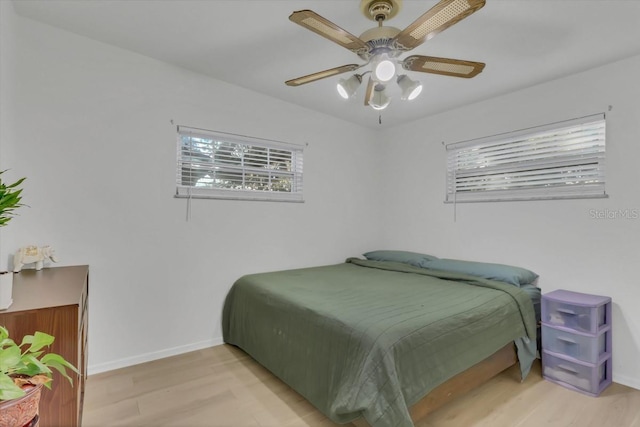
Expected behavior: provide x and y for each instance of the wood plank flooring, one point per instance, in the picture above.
(223, 387)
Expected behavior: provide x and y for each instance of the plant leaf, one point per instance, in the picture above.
(15, 184)
(9, 358)
(33, 366)
(37, 341)
(59, 364)
(6, 342)
(8, 389)
(34, 380)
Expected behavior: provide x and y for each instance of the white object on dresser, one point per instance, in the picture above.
(576, 340)
(6, 289)
(33, 254)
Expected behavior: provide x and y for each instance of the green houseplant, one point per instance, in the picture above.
(24, 370)
(28, 363)
(10, 196)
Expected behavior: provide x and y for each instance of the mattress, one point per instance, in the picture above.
(369, 338)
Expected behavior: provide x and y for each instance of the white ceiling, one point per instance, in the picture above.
(251, 43)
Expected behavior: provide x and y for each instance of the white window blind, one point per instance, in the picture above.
(225, 166)
(560, 160)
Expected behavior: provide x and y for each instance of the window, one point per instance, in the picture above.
(561, 160)
(225, 166)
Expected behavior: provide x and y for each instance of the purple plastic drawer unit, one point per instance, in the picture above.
(580, 376)
(585, 347)
(576, 311)
(576, 341)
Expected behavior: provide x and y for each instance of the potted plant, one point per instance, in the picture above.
(10, 196)
(24, 369)
(9, 199)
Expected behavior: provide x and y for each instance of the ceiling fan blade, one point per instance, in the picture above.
(319, 25)
(444, 66)
(437, 19)
(322, 75)
(369, 93)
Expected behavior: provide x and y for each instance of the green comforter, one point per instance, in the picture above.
(368, 338)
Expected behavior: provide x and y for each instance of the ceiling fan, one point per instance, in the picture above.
(381, 47)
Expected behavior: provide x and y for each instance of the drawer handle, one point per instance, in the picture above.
(567, 340)
(568, 369)
(567, 311)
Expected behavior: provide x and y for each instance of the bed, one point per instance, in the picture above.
(380, 343)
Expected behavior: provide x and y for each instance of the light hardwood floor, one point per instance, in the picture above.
(222, 386)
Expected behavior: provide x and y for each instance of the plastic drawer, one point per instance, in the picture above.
(588, 348)
(580, 376)
(584, 313)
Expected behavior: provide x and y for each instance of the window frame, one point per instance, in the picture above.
(243, 168)
(477, 170)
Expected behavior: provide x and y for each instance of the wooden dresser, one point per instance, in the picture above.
(54, 301)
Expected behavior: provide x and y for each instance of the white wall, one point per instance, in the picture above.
(96, 143)
(7, 77)
(560, 240)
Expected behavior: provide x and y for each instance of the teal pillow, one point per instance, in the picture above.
(412, 258)
(504, 273)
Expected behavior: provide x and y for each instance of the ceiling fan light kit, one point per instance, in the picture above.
(381, 47)
(411, 89)
(348, 87)
(379, 100)
(383, 68)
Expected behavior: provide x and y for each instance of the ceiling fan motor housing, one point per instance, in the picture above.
(380, 10)
(379, 39)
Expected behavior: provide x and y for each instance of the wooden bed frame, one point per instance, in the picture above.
(460, 384)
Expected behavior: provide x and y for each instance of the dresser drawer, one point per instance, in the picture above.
(574, 316)
(587, 378)
(588, 348)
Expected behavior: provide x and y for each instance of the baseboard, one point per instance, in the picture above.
(148, 357)
(629, 382)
